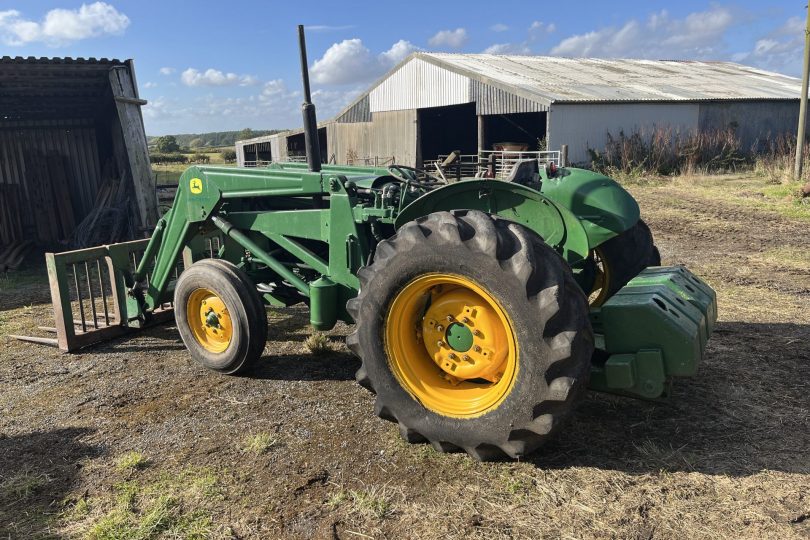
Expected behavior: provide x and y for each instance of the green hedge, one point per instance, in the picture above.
(158, 158)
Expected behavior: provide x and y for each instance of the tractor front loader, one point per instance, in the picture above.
(482, 308)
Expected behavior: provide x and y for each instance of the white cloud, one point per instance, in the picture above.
(454, 39)
(215, 77)
(273, 106)
(396, 54)
(539, 27)
(150, 85)
(344, 62)
(62, 26)
(508, 48)
(167, 70)
(350, 62)
(698, 35)
(499, 27)
(163, 109)
(330, 102)
(779, 50)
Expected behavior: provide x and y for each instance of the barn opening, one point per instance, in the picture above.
(445, 129)
(520, 129)
(296, 147)
(258, 153)
(74, 163)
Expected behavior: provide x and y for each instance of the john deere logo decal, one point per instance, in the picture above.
(195, 186)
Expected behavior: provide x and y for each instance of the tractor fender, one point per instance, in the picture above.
(604, 207)
(556, 225)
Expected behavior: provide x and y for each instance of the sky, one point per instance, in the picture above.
(217, 66)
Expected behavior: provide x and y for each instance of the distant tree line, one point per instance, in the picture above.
(207, 140)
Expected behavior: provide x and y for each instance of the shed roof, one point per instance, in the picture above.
(51, 88)
(555, 79)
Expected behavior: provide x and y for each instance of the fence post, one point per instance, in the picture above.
(564, 155)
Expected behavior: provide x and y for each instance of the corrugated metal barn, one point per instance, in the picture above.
(72, 145)
(432, 104)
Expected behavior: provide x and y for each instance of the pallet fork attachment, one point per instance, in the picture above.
(90, 292)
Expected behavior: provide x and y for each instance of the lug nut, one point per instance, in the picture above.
(465, 320)
(466, 357)
(477, 348)
(439, 328)
(450, 318)
(452, 356)
(477, 333)
(440, 343)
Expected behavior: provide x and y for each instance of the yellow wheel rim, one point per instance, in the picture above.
(601, 282)
(209, 320)
(451, 345)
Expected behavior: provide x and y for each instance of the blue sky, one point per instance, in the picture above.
(211, 66)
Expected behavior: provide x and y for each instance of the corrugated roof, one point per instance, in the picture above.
(52, 88)
(555, 79)
(62, 60)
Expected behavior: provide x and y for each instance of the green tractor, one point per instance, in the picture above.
(482, 308)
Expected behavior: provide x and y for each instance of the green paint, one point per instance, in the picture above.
(459, 337)
(602, 206)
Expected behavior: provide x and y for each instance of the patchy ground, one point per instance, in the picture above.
(132, 440)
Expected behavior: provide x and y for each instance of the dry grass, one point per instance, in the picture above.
(131, 461)
(258, 443)
(663, 151)
(172, 506)
(21, 485)
(318, 344)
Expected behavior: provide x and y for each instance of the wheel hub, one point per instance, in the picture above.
(464, 336)
(451, 345)
(209, 320)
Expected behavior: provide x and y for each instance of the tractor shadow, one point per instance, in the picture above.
(336, 366)
(37, 471)
(745, 412)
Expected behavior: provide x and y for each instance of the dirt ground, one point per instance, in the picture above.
(133, 440)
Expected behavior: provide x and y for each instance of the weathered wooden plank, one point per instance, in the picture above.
(134, 138)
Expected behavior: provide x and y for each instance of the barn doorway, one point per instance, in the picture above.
(527, 129)
(445, 129)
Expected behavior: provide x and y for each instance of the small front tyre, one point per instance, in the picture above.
(220, 316)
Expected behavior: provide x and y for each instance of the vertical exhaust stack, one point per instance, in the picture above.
(311, 142)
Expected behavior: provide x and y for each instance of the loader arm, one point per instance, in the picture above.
(300, 206)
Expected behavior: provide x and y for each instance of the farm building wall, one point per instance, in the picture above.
(390, 134)
(586, 125)
(752, 121)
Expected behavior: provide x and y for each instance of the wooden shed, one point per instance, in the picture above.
(74, 163)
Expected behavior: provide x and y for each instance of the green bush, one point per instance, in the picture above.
(201, 158)
(228, 156)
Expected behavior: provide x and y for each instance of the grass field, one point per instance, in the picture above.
(169, 173)
(130, 439)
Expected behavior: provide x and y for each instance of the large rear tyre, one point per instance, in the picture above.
(220, 316)
(620, 259)
(473, 334)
